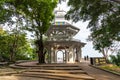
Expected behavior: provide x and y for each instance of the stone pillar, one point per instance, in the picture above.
(79, 54)
(77, 59)
(52, 55)
(66, 55)
(74, 57)
(49, 55)
(55, 56)
(71, 54)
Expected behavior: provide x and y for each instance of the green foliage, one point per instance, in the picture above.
(37, 13)
(33, 15)
(115, 59)
(14, 46)
(103, 17)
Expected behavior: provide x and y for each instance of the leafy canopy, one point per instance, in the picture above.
(14, 44)
(103, 17)
(34, 16)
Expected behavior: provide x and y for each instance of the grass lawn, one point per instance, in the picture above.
(111, 67)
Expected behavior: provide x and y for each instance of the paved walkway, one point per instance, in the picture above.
(97, 73)
(61, 72)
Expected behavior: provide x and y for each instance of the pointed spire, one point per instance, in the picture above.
(59, 8)
(60, 1)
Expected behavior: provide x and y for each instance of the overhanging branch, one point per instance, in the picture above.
(117, 1)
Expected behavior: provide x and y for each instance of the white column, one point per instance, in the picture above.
(79, 54)
(74, 55)
(49, 55)
(66, 55)
(55, 56)
(52, 55)
(71, 55)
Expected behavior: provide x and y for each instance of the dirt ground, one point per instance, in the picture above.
(19, 78)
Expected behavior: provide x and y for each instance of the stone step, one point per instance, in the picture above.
(47, 68)
(59, 71)
(17, 67)
(52, 71)
(57, 76)
(46, 65)
(59, 67)
(75, 76)
(47, 77)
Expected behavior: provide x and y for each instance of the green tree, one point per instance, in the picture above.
(3, 35)
(40, 15)
(16, 41)
(35, 16)
(13, 45)
(115, 59)
(103, 17)
(26, 52)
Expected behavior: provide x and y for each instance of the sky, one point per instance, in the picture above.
(82, 35)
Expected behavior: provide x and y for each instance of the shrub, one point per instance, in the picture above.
(115, 59)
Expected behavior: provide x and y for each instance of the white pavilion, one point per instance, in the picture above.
(60, 41)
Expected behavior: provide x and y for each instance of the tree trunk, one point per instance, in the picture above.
(105, 55)
(12, 58)
(41, 55)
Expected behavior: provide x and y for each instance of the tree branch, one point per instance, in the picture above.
(117, 1)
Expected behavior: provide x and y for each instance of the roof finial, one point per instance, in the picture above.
(59, 4)
(59, 8)
(60, 1)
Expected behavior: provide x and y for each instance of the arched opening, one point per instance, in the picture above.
(60, 56)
